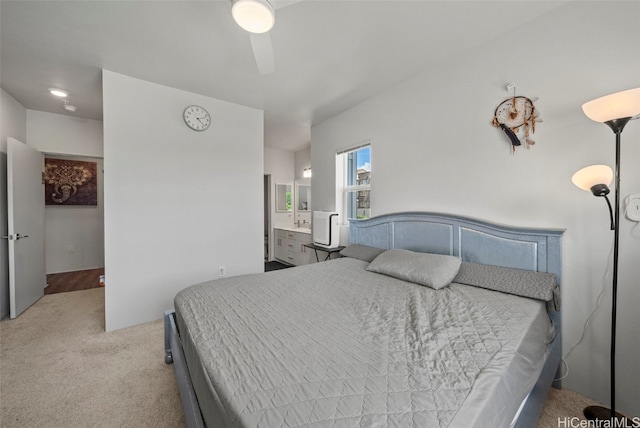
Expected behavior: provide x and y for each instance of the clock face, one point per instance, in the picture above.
(197, 118)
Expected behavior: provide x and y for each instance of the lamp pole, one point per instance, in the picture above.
(598, 412)
(616, 126)
(615, 110)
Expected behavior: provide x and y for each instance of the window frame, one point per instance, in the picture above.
(344, 172)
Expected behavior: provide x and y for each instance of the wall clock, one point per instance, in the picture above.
(197, 118)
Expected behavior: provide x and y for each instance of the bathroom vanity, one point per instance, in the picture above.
(290, 247)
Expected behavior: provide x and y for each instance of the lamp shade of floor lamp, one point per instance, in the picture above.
(615, 110)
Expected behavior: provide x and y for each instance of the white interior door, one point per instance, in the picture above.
(25, 194)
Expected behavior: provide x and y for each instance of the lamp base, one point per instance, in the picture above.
(601, 414)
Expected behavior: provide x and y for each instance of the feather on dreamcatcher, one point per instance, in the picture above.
(514, 115)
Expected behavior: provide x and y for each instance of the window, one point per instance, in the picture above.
(353, 181)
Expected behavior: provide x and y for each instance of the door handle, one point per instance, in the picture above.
(15, 238)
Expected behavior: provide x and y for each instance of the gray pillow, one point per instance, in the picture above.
(433, 270)
(526, 283)
(361, 252)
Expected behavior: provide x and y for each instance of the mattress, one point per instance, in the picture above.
(331, 344)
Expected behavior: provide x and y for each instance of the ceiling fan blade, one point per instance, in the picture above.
(279, 4)
(263, 52)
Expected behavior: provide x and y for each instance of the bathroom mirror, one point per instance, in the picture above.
(303, 195)
(284, 202)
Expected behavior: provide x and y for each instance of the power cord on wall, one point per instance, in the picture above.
(588, 321)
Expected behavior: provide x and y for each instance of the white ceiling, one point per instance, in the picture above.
(329, 55)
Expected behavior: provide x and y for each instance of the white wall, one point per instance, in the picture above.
(13, 123)
(302, 162)
(434, 149)
(69, 135)
(78, 227)
(178, 203)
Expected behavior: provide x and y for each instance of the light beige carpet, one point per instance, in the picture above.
(58, 368)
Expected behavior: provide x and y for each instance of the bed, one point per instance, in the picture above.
(406, 330)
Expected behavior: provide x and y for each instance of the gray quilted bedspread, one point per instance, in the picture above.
(332, 345)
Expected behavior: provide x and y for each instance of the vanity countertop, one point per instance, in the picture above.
(295, 229)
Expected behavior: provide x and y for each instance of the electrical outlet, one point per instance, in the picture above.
(221, 271)
(632, 207)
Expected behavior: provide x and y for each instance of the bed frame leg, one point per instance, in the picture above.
(168, 319)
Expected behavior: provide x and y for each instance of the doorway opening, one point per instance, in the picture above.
(74, 236)
(267, 216)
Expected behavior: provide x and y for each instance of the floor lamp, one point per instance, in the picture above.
(614, 110)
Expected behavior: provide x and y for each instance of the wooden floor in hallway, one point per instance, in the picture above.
(73, 281)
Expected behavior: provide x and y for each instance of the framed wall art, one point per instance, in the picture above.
(70, 182)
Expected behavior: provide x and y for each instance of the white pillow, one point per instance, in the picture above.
(433, 270)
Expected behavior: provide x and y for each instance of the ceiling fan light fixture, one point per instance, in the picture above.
(254, 16)
(69, 107)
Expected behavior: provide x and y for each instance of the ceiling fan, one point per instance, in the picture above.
(258, 17)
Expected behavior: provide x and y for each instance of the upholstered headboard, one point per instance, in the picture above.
(472, 240)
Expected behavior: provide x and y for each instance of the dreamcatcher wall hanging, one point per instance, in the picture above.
(517, 117)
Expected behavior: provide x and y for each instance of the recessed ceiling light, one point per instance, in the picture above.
(58, 92)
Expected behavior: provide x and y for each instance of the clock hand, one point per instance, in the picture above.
(200, 120)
